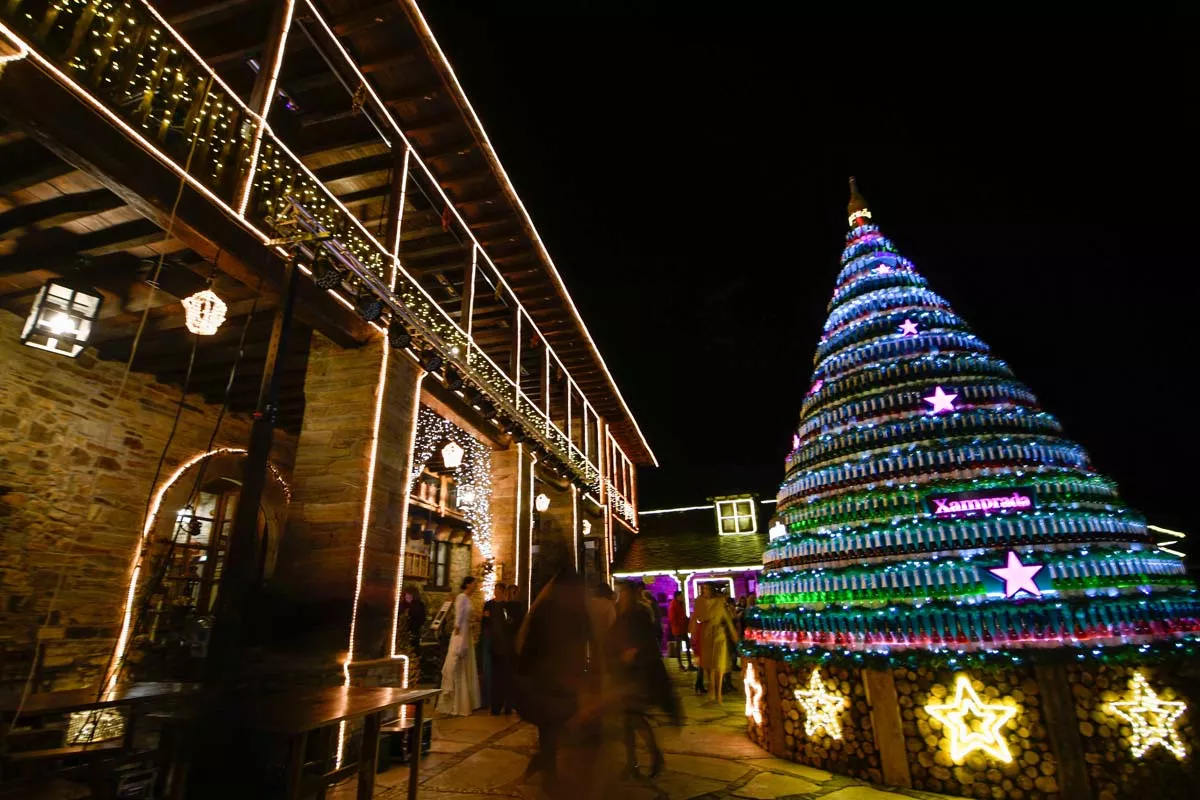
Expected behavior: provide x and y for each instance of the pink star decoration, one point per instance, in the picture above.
(795, 441)
(941, 401)
(816, 387)
(1018, 577)
(882, 269)
(908, 328)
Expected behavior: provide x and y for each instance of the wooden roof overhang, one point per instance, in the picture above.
(58, 202)
(397, 53)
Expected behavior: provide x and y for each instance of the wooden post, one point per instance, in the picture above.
(239, 576)
(774, 706)
(1058, 709)
(885, 721)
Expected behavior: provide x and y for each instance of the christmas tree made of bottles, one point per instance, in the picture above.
(931, 504)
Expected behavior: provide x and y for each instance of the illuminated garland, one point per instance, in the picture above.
(473, 478)
(1093, 491)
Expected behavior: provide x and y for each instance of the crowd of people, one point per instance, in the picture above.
(578, 657)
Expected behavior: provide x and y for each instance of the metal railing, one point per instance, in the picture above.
(125, 60)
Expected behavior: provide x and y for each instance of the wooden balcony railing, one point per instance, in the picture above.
(122, 58)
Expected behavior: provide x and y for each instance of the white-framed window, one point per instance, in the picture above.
(736, 516)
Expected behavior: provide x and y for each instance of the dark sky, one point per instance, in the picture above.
(688, 172)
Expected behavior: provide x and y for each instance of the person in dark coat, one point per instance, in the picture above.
(502, 639)
(552, 666)
(642, 679)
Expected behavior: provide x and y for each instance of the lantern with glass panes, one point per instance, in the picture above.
(63, 315)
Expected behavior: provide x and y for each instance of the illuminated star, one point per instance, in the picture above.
(965, 738)
(795, 441)
(941, 401)
(816, 387)
(1018, 577)
(754, 694)
(908, 328)
(822, 708)
(1152, 720)
(882, 269)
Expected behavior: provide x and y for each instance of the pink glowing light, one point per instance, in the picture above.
(941, 401)
(1018, 577)
(908, 328)
(795, 441)
(882, 269)
(816, 387)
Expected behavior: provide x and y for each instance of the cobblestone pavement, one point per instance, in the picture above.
(708, 757)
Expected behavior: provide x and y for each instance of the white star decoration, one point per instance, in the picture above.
(1018, 577)
(966, 738)
(754, 694)
(908, 328)
(822, 708)
(941, 401)
(1153, 721)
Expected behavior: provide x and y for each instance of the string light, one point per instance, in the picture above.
(754, 694)
(1152, 720)
(972, 724)
(204, 312)
(822, 708)
(472, 475)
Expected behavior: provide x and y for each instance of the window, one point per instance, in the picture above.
(439, 567)
(736, 516)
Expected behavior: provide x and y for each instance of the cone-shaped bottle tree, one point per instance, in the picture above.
(930, 503)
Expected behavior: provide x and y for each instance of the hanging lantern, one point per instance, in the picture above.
(452, 454)
(541, 502)
(466, 496)
(62, 317)
(204, 312)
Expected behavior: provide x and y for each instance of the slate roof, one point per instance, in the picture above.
(688, 540)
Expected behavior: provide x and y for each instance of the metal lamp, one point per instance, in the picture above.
(62, 317)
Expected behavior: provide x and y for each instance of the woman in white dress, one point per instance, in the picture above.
(460, 682)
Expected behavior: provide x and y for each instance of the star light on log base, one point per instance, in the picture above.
(1153, 720)
(941, 401)
(1018, 577)
(754, 694)
(909, 328)
(965, 736)
(822, 708)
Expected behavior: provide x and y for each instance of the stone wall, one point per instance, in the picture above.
(77, 466)
(317, 575)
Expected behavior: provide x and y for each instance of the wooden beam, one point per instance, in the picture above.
(347, 24)
(57, 211)
(58, 248)
(355, 168)
(201, 13)
(27, 163)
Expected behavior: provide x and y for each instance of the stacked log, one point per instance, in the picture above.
(1113, 772)
(853, 754)
(1031, 774)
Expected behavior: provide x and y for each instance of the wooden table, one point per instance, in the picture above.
(296, 714)
(136, 697)
(43, 703)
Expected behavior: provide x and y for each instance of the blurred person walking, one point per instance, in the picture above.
(552, 666)
(642, 679)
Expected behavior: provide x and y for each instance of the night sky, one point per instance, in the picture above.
(688, 173)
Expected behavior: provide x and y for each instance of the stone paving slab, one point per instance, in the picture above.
(485, 770)
(769, 785)
(790, 767)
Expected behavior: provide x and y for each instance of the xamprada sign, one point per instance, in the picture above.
(981, 502)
